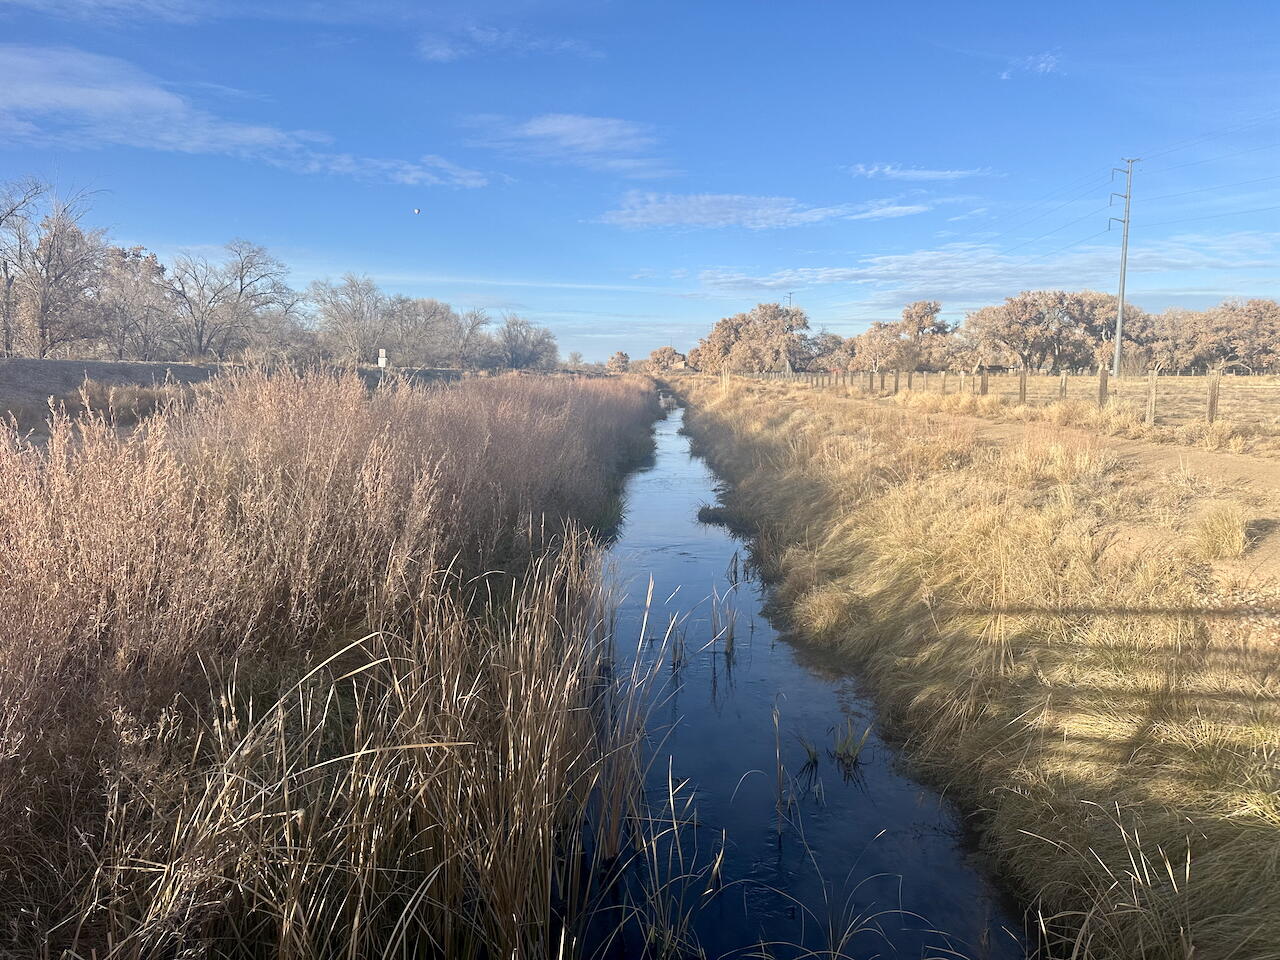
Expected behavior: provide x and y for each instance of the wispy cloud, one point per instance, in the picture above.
(119, 13)
(446, 46)
(1039, 64)
(975, 212)
(894, 171)
(607, 144)
(972, 273)
(640, 209)
(58, 96)
(178, 11)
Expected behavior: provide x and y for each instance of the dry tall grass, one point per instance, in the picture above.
(1114, 732)
(1121, 417)
(263, 694)
(123, 405)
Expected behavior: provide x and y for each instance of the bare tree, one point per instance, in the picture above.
(470, 341)
(283, 334)
(353, 316)
(17, 200)
(524, 346)
(56, 267)
(216, 305)
(422, 331)
(18, 197)
(133, 303)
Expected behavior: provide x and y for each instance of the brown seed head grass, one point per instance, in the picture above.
(196, 745)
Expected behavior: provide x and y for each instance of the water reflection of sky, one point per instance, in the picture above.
(872, 845)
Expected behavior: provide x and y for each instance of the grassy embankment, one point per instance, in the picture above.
(1114, 727)
(299, 670)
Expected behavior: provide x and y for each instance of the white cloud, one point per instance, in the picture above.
(474, 40)
(640, 209)
(58, 96)
(893, 171)
(973, 273)
(607, 144)
(975, 212)
(1038, 63)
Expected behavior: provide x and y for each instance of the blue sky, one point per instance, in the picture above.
(628, 172)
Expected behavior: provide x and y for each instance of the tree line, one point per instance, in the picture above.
(1039, 330)
(66, 290)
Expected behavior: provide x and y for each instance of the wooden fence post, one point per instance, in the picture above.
(961, 381)
(1103, 373)
(1215, 382)
(895, 381)
(985, 386)
(883, 374)
(1062, 386)
(871, 381)
(910, 377)
(1151, 398)
(1022, 386)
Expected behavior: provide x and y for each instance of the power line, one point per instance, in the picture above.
(1052, 194)
(1218, 186)
(1070, 223)
(1211, 135)
(1074, 243)
(1079, 196)
(1213, 216)
(1221, 156)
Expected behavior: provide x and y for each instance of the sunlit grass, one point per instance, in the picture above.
(1094, 707)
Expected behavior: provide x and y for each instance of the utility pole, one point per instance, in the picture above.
(1124, 251)
(788, 301)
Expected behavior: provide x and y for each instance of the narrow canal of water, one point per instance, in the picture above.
(856, 856)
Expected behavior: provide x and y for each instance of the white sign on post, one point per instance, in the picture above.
(382, 358)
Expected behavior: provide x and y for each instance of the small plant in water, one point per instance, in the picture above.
(811, 756)
(849, 743)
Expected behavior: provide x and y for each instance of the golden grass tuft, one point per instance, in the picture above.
(1221, 531)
